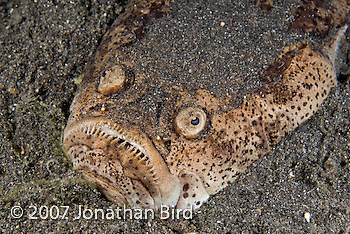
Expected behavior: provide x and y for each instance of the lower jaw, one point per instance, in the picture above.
(124, 164)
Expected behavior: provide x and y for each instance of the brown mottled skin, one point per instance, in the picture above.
(153, 159)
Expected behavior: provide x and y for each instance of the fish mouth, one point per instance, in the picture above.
(122, 162)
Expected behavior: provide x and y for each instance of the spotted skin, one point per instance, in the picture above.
(178, 161)
(243, 135)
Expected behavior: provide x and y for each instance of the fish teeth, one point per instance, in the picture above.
(134, 151)
(116, 141)
(123, 143)
(138, 156)
(98, 131)
(143, 159)
(131, 148)
(92, 130)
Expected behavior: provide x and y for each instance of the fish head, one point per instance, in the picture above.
(140, 140)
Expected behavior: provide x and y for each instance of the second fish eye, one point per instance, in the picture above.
(190, 122)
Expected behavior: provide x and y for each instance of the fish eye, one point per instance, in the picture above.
(190, 122)
(112, 80)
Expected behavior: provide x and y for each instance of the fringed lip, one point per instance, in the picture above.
(123, 155)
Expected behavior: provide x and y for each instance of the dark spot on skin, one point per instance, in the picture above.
(186, 187)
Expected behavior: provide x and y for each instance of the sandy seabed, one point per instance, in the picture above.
(302, 186)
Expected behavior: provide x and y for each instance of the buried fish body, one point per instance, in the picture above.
(195, 145)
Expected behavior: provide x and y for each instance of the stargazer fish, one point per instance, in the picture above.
(190, 145)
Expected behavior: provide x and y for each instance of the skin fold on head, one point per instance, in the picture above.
(194, 145)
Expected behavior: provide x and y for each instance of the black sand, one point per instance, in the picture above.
(44, 47)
